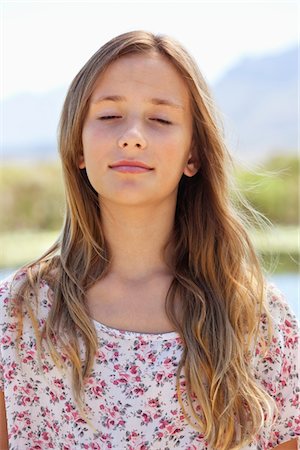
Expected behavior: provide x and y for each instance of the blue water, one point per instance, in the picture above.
(288, 283)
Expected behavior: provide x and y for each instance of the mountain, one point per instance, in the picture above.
(30, 124)
(258, 100)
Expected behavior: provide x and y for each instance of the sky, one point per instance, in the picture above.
(44, 44)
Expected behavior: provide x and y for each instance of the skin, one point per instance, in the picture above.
(137, 207)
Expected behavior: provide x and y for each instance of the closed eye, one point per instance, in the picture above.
(109, 117)
(163, 121)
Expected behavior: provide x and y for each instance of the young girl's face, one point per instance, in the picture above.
(139, 114)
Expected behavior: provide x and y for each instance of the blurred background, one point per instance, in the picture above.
(248, 53)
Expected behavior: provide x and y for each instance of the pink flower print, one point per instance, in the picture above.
(109, 423)
(89, 381)
(14, 430)
(12, 327)
(167, 363)
(3, 290)
(295, 401)
(104, 437)
(133, 436)
(37, 445)
(124, 377)
(140, 357)
(45, 368)
(163, 424)
(25, 401)
(100, 355)
(45, 412)
(59, 383)
(288, 323)
(6, 341)
(56, 427)
(146, 418)
(77, 418)
(21, 415)
(133, 369)
(153, 402)
(152, 357)
(143, 342)
(115, 410)
(110, 345)
(54, 397)
(97, 391)
(69, 407)
(167, 345)
(45, 436)
(159, 376)
(95, 446)
(10, 374)
(172, 429)
(138, 391)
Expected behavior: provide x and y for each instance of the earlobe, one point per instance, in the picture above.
(81, 163)
(191, 168)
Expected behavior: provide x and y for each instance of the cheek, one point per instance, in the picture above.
(176, 151)
(95, 143)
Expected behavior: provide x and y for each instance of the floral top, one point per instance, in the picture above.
(131, 392)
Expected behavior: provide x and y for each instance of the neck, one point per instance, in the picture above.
(137, 237)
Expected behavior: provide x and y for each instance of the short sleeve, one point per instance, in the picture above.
(279, 370)
(7, 321)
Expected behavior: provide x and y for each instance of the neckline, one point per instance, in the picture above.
(128, 334)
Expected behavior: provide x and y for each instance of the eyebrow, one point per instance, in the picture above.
(154, 101)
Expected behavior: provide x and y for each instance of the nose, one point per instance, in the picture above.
(132, 138)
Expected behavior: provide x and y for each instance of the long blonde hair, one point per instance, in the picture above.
(217, 274)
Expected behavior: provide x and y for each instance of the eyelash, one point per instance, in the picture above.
(162, 121)
(109, 117)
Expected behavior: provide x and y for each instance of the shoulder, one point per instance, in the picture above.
(283, 318)
(282, 348)
(9, 288)
(277, 369)
(12, 292)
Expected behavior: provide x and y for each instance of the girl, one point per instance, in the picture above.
(148, 325)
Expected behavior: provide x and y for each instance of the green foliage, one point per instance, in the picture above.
(274, 189)
(31, 197)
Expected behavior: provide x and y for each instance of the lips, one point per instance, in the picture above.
(130, 163)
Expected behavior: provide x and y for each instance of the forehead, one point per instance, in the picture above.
(142, 73)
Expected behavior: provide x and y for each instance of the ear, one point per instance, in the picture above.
(81, 163)
(192, 166)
